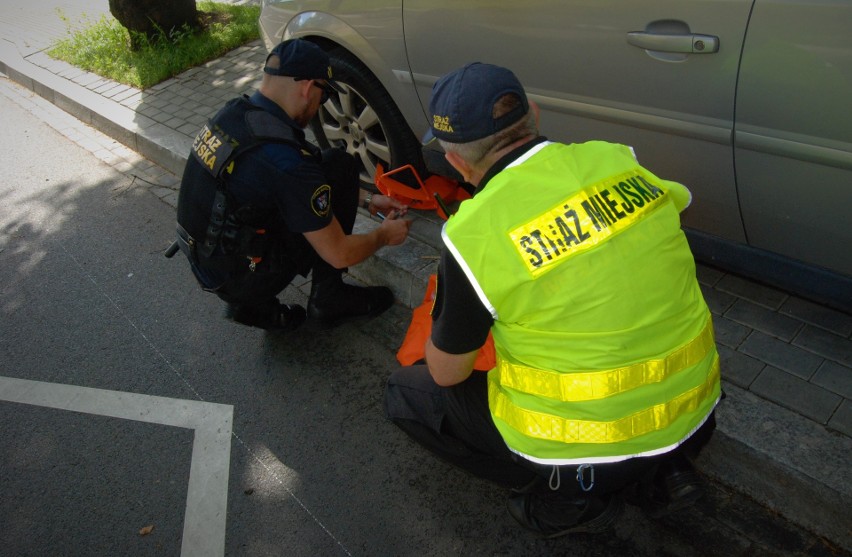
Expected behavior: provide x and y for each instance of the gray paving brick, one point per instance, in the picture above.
(717, 301)
(184, 114)
(112, 89)
(43, 60)
(116, 91)
(133, 100)
(826, 344)
(708, 275)
(190, 95)
(86, 79)
(842, 419)
(146, 122)
(148, 110)
(819, 316)
(796, 394)
(757, 293)
(170, 199)
(94, 86)
(123, 166)
(157, 102)
(189, 128)
(169, 180)
(203, 110)
(170, 109)
(762, 319)
(729, 333)
(123, 152)
(85, 141)
(71, 73)
(163, 85)
(781, 355)
(162, 117)
(161, 192)
(196, 86)
(174, 122)
(197, 121)
(225, 95)
(738, 368)
(124, 95)
(189, 73)
(834, 377)
(194, 105)
(105, 87)
(142, 165)
(155, 174)
(224, 64)
(107, 156)
(152, 93)
(167, 100)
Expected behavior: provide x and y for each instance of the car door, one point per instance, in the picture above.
(794, 131)
(663, 89)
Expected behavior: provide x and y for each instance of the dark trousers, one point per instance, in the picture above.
(455, 424)
(252, 297)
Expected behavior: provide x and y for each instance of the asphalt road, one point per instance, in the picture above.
(136, 421)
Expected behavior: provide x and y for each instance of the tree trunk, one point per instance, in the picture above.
(152, 18)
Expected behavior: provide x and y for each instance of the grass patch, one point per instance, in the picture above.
(104, 47)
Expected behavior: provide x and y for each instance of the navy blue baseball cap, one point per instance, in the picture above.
(462, 101)
(303, 60)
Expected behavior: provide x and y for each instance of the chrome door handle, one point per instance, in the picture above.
(684, 44)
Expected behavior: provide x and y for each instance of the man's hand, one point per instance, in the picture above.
(394, 228)
(386, 205)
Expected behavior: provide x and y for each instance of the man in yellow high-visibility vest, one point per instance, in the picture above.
(607, 373)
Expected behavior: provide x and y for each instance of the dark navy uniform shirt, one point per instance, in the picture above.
(300, 201)
(283, 182)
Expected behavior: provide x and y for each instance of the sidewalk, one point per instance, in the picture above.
(784, 433)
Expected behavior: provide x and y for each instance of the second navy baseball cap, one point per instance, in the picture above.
(463, 100)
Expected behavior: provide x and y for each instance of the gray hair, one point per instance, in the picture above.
(474, 151)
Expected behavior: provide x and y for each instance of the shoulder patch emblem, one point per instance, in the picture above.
(321, 200)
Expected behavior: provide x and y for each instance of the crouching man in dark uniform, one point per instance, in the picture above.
(259, 205)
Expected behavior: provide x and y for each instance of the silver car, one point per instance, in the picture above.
(747, 102)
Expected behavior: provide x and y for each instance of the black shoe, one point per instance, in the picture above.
(537, 485)
(675, 486)
(552, 515)
(334, 304)
(273, 316)
(290, 318)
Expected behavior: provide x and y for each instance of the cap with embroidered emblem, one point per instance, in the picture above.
(303, 60)
(462, 103)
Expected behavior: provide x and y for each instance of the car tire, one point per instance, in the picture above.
(365, 121)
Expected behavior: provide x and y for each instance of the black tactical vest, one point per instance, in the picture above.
(213, 230)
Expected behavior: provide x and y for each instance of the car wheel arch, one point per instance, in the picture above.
(331, 32)
(366, 122)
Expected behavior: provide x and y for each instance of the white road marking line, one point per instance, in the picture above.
(207, 491)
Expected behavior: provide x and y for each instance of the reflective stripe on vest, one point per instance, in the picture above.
(553, 428)
(593, 385)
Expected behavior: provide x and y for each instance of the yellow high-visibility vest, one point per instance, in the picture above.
(604, 343)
